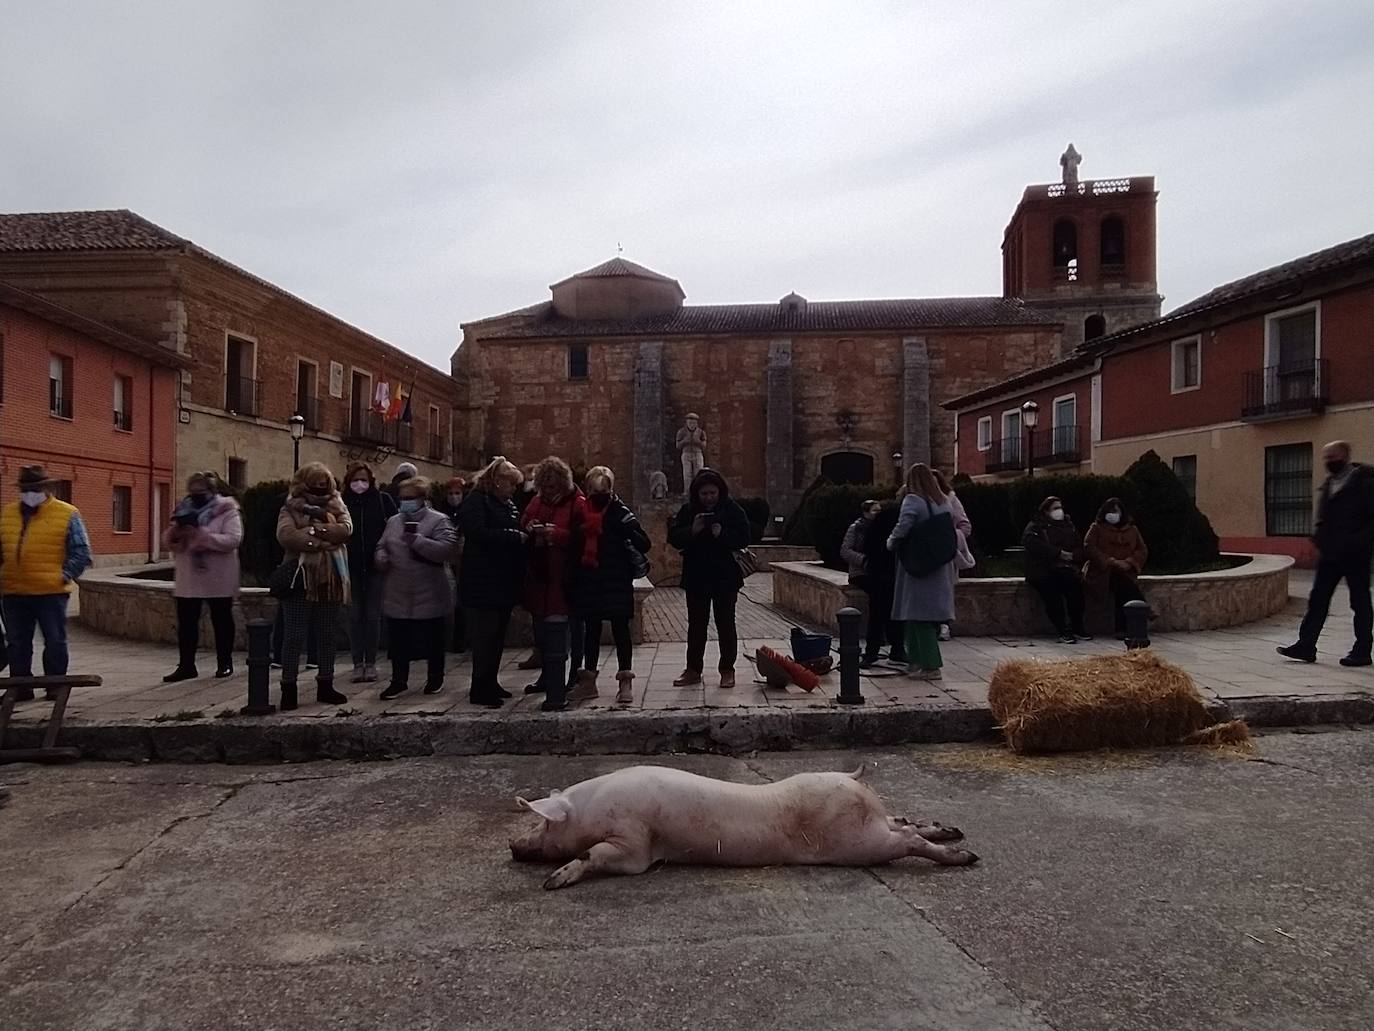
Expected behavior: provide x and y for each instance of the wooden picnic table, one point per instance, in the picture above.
(61, 690)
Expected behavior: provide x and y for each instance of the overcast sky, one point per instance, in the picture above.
(413, 166)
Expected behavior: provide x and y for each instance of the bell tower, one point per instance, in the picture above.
(1084, 252)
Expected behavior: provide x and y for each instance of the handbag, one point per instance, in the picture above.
(639, 562)
(930, 545)
(288, 579)
(748, 562)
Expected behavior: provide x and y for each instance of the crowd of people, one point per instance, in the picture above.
(417, 579)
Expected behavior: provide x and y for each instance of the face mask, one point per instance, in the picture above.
(529, 485)
(1336, 466)
(600, 501)
(1056, 514)
(411, 505)
(199, 497)
(360, 486)
(1113, 517)
(33, 498)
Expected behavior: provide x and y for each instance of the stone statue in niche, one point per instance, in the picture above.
(691, 442)
(1069, 162)
(658, 485)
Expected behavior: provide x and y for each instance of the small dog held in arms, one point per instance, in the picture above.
(627, 821)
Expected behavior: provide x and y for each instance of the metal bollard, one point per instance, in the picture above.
(1137, 625)
(848, 618)
(554, 651)
(259, 668)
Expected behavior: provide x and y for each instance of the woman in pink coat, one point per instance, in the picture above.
(204, 539)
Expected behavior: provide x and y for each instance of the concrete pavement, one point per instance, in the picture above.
(1178, 889)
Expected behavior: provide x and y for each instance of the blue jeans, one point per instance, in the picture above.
(48, 612)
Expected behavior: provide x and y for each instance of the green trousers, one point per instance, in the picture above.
(923, 645)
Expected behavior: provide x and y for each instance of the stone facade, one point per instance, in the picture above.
(1009, 607)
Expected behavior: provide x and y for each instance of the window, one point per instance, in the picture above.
(307, 398)
(436, 437)
(985, 433)
(62, 490)
(123, 510)
(1064, 250)
(1011, 437)
(1187, 365)
(240, 384)
(359, 403)
(1113, 246)
(1094, 326)
(1185, 468)
(1064, 440)
(123, 403)
(60, 386)
(1291, 348)
(577, 361)
(238, 473)
(1288, 490)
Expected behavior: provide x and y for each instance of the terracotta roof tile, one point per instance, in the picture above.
(1352, 252)
(83, 231)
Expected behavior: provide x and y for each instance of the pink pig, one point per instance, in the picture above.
(626, 821)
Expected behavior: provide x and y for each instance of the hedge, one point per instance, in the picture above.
(1180, 537)
(828, 513)
(260, 553)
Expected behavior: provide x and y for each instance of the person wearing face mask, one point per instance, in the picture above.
(370, 509)
(1116, 557)
(1345, 547)
(313, 530)
(204, 538)
(604, 589)
(414, 553)
(1054, 556)
(43, 550)
(454, 491)
(491, 573)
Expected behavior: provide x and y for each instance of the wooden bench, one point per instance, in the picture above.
(61, 688)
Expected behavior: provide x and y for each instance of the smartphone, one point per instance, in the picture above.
(412, 527)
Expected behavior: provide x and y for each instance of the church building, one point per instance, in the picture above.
(607, 369)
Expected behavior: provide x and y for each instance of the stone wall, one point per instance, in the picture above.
(1009, 607)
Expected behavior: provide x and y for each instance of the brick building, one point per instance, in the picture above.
(1238, 390)
(95, 407)
(607, 368)
(256, 354)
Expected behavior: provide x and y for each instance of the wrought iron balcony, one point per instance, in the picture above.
(1007, 455)
(1060, 445)
(242, 396)
(1286, 391)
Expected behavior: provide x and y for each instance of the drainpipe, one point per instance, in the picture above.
(152, 474)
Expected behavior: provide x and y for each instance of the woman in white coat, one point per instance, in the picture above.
(922, 602)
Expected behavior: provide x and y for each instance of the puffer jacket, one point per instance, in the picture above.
(415, 581)
(492, 568)
(1045, 541)
(607, 591)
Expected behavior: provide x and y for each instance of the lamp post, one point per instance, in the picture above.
(1030, 415)
(297, 426)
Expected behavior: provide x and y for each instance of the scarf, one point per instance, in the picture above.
(592, 525)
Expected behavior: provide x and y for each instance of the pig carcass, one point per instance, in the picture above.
(627, 821)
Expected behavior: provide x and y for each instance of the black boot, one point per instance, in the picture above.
(326, 695)
(288, 697)
(179, 674)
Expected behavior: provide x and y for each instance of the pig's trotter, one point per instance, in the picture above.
(601, 859)
(936, 832)
(917, 845)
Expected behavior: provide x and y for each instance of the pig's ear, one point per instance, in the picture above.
(554, 809)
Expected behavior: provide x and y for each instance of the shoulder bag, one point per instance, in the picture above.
(930, 544)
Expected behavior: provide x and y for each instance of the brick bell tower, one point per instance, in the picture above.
(1084, 252)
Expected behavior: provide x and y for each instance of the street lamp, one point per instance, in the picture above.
(297, 426)
(1030, 415)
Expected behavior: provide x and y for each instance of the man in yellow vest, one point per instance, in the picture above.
(43, 549)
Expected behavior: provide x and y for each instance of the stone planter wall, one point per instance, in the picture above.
(1009, 607)
(116, 603)
(770, 554)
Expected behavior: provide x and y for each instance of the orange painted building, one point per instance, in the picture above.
(97, 408)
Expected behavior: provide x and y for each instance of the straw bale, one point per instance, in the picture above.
(1129, 700)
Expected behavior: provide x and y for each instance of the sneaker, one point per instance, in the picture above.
(393, 691)
(224, 672)
(179, 674)
(369, 674)
(931, 674)
(312, 665)
(1299, 651)
(359, 675)
(1356, 660)
(1067, 639)
(1082, 634)
(944, 632)
(867, 663)
(434, 688)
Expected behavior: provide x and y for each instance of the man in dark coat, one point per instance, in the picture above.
(369, 509)
(492, 574)
(1345, 547)
(879, 582)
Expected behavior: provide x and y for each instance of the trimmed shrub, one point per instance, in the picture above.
(827, 514)
(794, 530)
(757, 510)
(1179, 536)
(260, 553)
(989, 510)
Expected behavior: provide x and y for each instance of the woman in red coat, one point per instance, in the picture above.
(553, 519)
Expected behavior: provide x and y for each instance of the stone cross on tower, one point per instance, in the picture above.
(1069, 163)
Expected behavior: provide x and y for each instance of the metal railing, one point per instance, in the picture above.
(1299, 388)
(1059, 444)
(372, 428)
(123, 419)
(1006, 455)
(308, 408)
(242, 396)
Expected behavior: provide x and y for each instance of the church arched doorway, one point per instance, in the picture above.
(847, 467)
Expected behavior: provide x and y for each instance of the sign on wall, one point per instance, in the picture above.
(335, 379)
